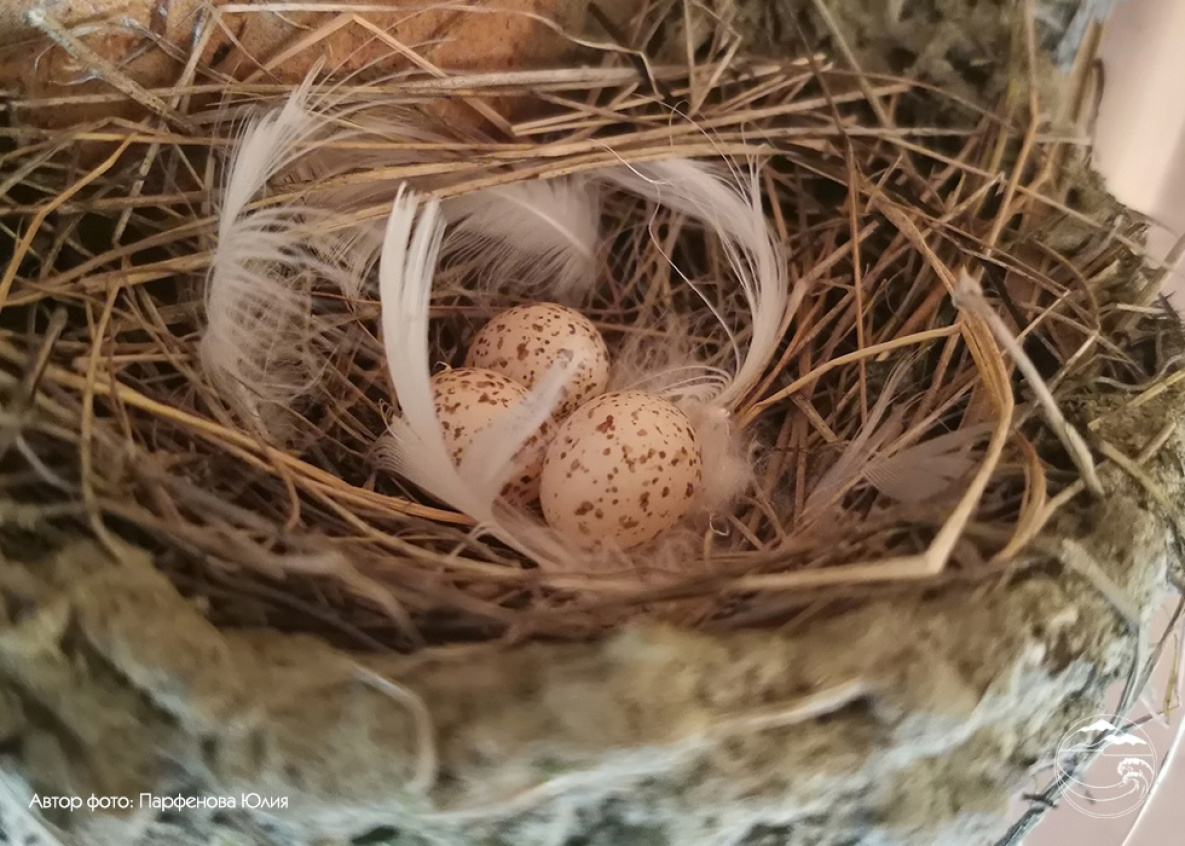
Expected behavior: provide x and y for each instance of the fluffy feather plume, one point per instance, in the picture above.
(669, 365)
(416, 449)
(391, 137)
(261, 339)
(731, 209)
(354, 251)
(258, 343)
(540, 237)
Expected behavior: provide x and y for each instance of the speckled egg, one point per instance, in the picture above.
(623, 468)
(467, 400)
(526, 341)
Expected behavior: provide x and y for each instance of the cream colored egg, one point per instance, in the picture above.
(526, 341)
(467, 401)
(623, 468)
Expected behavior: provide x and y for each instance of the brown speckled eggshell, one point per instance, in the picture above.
(623, 468)
(467, 400)
(524, 342)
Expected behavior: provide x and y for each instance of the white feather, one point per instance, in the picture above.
(535, 237)
(488, 461)
(731, 209)
(417, 449)
(406, 267)
(257, 342)
(355, 250)
(667, 363)
(727, 459)
(260, 345)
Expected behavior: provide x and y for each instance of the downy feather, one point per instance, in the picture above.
(355, 250)
(731, 209)
(539, 238)
(261, 343)
(258, 340)
(913, 475)
(667, 363)
(361, 175)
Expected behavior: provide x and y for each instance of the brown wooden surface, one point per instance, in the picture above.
(136, 38)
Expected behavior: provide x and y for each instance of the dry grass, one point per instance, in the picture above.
(945, 253)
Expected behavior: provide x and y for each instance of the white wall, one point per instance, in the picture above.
(1140, 150)
(1140, 141)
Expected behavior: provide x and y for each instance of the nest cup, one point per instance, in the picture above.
(958, 519)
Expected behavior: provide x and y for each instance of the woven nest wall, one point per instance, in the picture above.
(201, 604)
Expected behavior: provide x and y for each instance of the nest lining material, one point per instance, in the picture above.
(166, 452)
(928, 695)
(868, 335)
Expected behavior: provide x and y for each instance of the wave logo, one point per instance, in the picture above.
(1118, 781)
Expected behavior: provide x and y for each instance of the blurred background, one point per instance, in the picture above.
(1140, 150)
(1140, 137)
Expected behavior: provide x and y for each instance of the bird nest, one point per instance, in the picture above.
(946, 287)
(971, 316)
